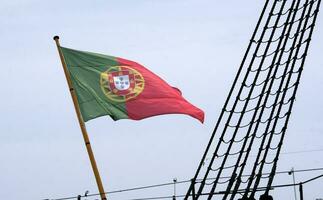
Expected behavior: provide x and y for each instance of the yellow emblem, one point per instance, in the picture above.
(121, 83)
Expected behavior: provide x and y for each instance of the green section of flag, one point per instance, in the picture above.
(85, 69)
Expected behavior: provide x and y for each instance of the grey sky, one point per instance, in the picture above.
(194, 45)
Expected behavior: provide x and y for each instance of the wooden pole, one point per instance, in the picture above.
(81, 123)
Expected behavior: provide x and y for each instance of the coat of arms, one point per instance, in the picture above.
(121, 83)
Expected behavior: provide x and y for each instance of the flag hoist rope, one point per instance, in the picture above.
(81, 123)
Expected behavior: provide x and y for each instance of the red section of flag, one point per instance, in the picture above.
(157, 97)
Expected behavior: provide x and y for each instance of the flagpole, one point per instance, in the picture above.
(81, 122)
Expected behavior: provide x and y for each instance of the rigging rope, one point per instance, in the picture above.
(188, 181)
(256, 112)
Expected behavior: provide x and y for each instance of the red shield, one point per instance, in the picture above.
(122, 82)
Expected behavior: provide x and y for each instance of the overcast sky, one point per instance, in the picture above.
(195, 45)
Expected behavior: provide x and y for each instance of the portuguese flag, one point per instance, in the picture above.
(122, 89)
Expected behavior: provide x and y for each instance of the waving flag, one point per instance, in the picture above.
(122, 89)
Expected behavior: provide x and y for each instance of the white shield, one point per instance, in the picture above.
(121, 82)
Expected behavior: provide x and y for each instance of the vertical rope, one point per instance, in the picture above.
(281, 52)
(273, 171)
(266, 113)
(228, 98)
